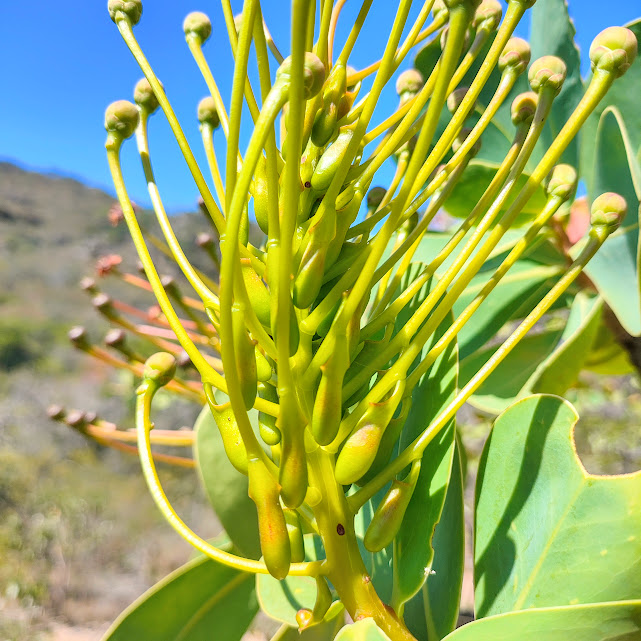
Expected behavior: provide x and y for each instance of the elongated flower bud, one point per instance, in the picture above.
(359, 451)
(267, 423)
(614, 49)
(608, 211)
(524, 107)
(327, 412)
(244, 347)
(121, 119)
(516, 56)
(295, 532)
(563, 182)
(330, 161)
(145, 97)
(549, 72)
(197, 25)
(131, 8)
(257, 292)
(389, 515)
(160, 368)
(272, 527)
(229, 431)
(208, 113)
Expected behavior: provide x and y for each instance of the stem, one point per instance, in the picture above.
(144, 426)
(344, 566)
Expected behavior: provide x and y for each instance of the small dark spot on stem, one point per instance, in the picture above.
(340, 528)
(367, 579)
(307, 184)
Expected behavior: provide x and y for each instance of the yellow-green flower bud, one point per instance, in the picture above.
(330, 161)
(145, 97)
(471, 4)
(131, 8)
(229, 431)
(160, 368)
(516, 56)
(295, 531)
(197, 25)
(272, 528)
(460, 139)
(547, 72)
(207, 112)
(267, 423)
(608, 211)
(524, 107)
(409, 83)
(359, 451)
(455, 99)
(389, 515)
(488, 15)
(375, 196)
(614, 50)
(121, 119)
(439, 10)
(563, 182)
(313, 73)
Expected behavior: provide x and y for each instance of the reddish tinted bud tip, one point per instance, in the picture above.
(548, 71)
(608, 211)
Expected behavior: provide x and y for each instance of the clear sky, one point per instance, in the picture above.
(62, 63)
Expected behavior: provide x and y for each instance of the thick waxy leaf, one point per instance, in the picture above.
(226, 487)
(433, 612)
(413, 552)
(514, 297)
(624, 96)
(552, 34)
(364, 630)
(281, 600)
(599, 622)
(326, 631)
(200, 601)
(614, 269)
(560, 370)
(476, 180)
(607, 357)
(508, 380)
(548, 533)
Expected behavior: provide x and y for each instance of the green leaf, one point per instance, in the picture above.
(548, 533)
(507, 381)
(226, 487)
(552, 34)
(199, 601)
(514, 296)
(614, 270)
(364, 630)
(599, 622)
(561, 369)
(281, 600)
(478, 177)
(326, 631)
(433, 612)
(607, 357)
(624, 95)
(413, 552)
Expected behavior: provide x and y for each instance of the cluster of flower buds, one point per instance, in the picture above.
(306, 323)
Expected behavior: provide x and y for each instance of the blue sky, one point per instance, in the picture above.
(61, 67)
